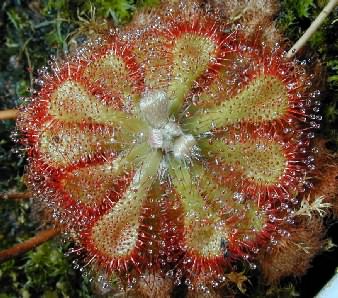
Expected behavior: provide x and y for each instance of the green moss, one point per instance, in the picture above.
(294, 18)
(43, 272)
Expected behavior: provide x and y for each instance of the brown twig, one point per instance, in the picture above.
(312, 29)
(27, 245)
(15, 195)
(8, 114)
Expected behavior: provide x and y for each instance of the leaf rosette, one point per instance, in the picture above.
(177, 147)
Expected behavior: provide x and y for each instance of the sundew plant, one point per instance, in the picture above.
(179, 150)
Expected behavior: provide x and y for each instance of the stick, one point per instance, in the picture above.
(312, 29)
(15, 195)
(27, 245)
(8, 114)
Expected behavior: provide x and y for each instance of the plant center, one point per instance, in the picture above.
(165, 133)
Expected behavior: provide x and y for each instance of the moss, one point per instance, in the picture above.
(294, 18)
(43, 272)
